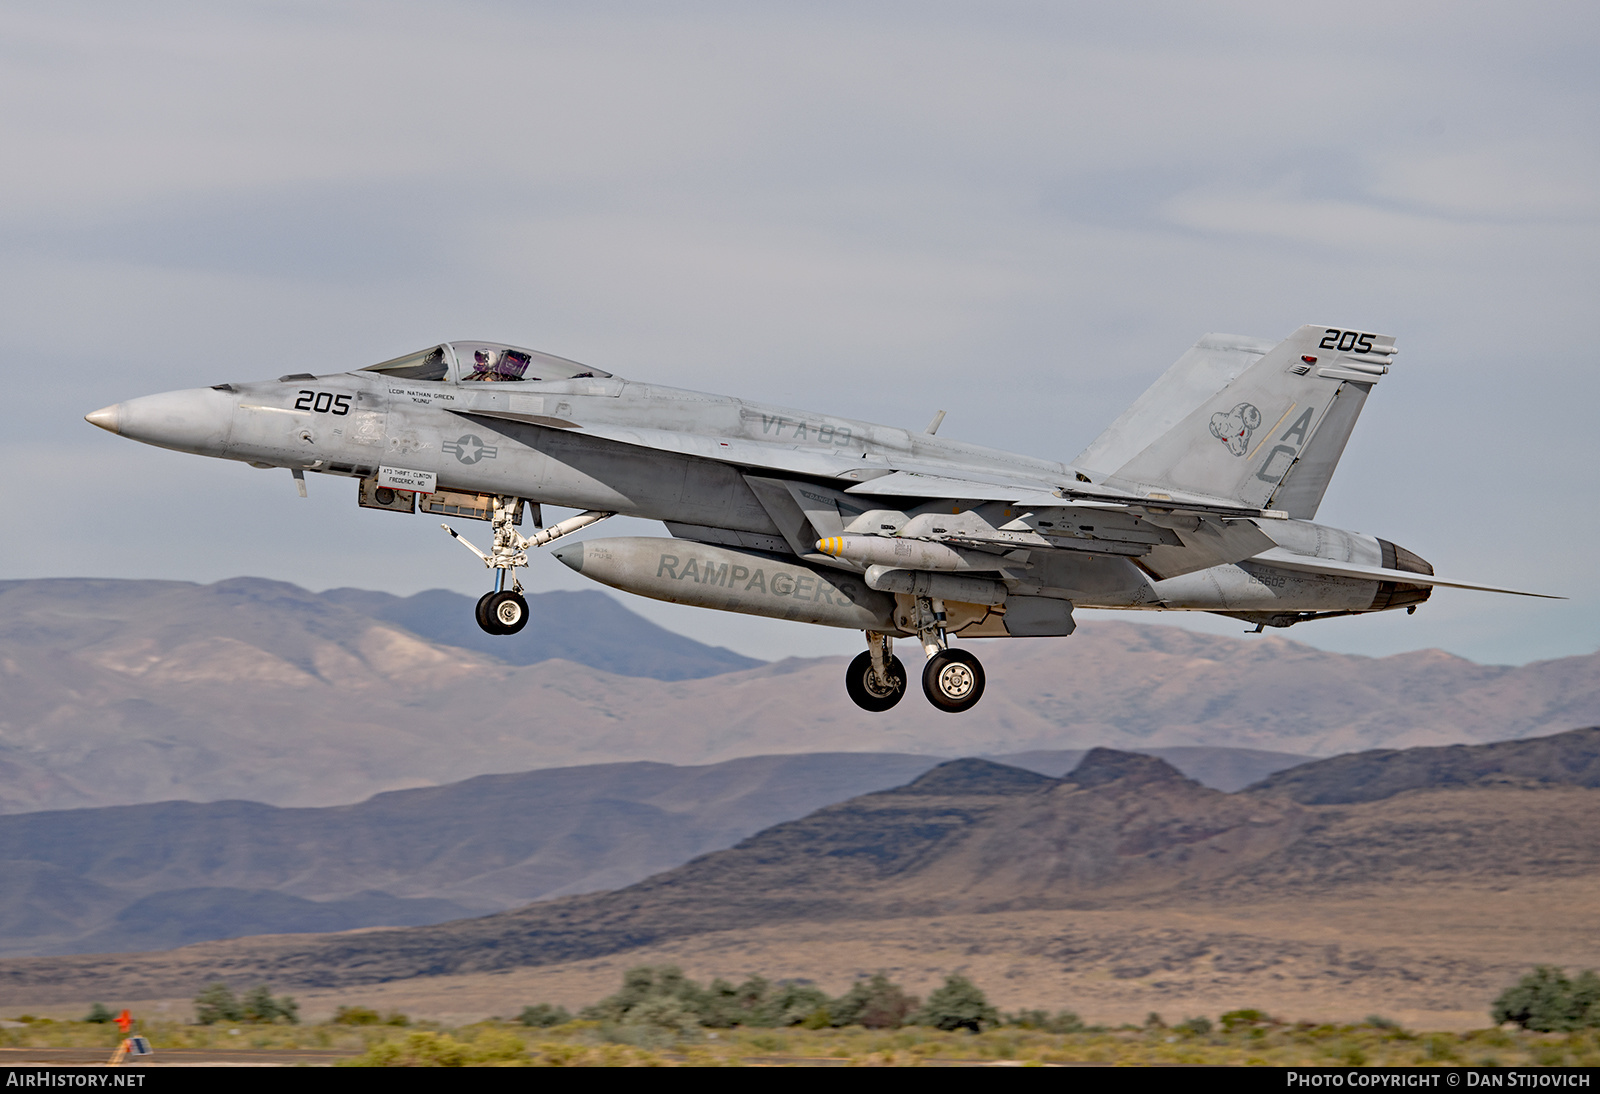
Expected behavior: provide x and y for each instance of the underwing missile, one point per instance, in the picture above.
(684, 572)
(908, 554)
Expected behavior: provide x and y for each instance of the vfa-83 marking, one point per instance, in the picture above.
(1202, 496)
(815, 432)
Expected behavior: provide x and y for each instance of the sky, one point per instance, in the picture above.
(1021, 213)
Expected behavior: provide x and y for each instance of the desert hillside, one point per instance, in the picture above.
(149, 877)
(980, 843)
(124, 692)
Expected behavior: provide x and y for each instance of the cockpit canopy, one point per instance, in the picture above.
(482, 362)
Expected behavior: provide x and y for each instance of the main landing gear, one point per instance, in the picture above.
(503, 610)
(876, 680)
(952, 679)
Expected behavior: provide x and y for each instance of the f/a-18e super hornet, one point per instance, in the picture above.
(1200, 497)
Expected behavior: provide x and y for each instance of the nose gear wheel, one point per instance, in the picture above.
(482, 613)
(953, 680)
(509, 611)
(505, 611)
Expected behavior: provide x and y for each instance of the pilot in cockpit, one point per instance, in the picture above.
(491, 364)
(483, 362)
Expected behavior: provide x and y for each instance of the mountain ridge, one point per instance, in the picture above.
(411, 856)
(1564, 759)
(975, 839)
(153, 691)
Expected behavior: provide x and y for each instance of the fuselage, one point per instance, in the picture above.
(685, 458)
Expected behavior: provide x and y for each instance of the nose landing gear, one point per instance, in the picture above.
(505, 611)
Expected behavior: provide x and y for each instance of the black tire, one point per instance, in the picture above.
(872, 695)
(953, 680)
(508, 611)
(485, 620)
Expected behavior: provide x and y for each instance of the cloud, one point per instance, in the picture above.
(1349, 226)
(1020, 212)
(1529, 180)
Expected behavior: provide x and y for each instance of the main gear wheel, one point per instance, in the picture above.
(868, 691)
(953, 680)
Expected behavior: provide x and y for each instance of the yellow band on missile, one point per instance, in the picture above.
(831, 545)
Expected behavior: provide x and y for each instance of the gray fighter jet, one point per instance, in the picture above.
(1200, 497)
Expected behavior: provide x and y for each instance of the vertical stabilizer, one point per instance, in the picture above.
(1206, 369)
(1275, 432)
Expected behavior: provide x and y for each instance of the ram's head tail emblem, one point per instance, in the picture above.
(1233, 429)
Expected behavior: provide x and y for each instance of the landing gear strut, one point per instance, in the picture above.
(503, 610)
(952, 679)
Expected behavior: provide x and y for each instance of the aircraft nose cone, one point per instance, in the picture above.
(197, 420)
(108, 418)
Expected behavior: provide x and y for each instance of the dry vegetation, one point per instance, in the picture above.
(589, 1044)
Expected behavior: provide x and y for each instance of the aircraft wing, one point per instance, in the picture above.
(1000, 487)
(1288, 560)
(889, 476)
(790, 459)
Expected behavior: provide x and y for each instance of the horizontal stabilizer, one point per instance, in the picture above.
(1305, 564)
